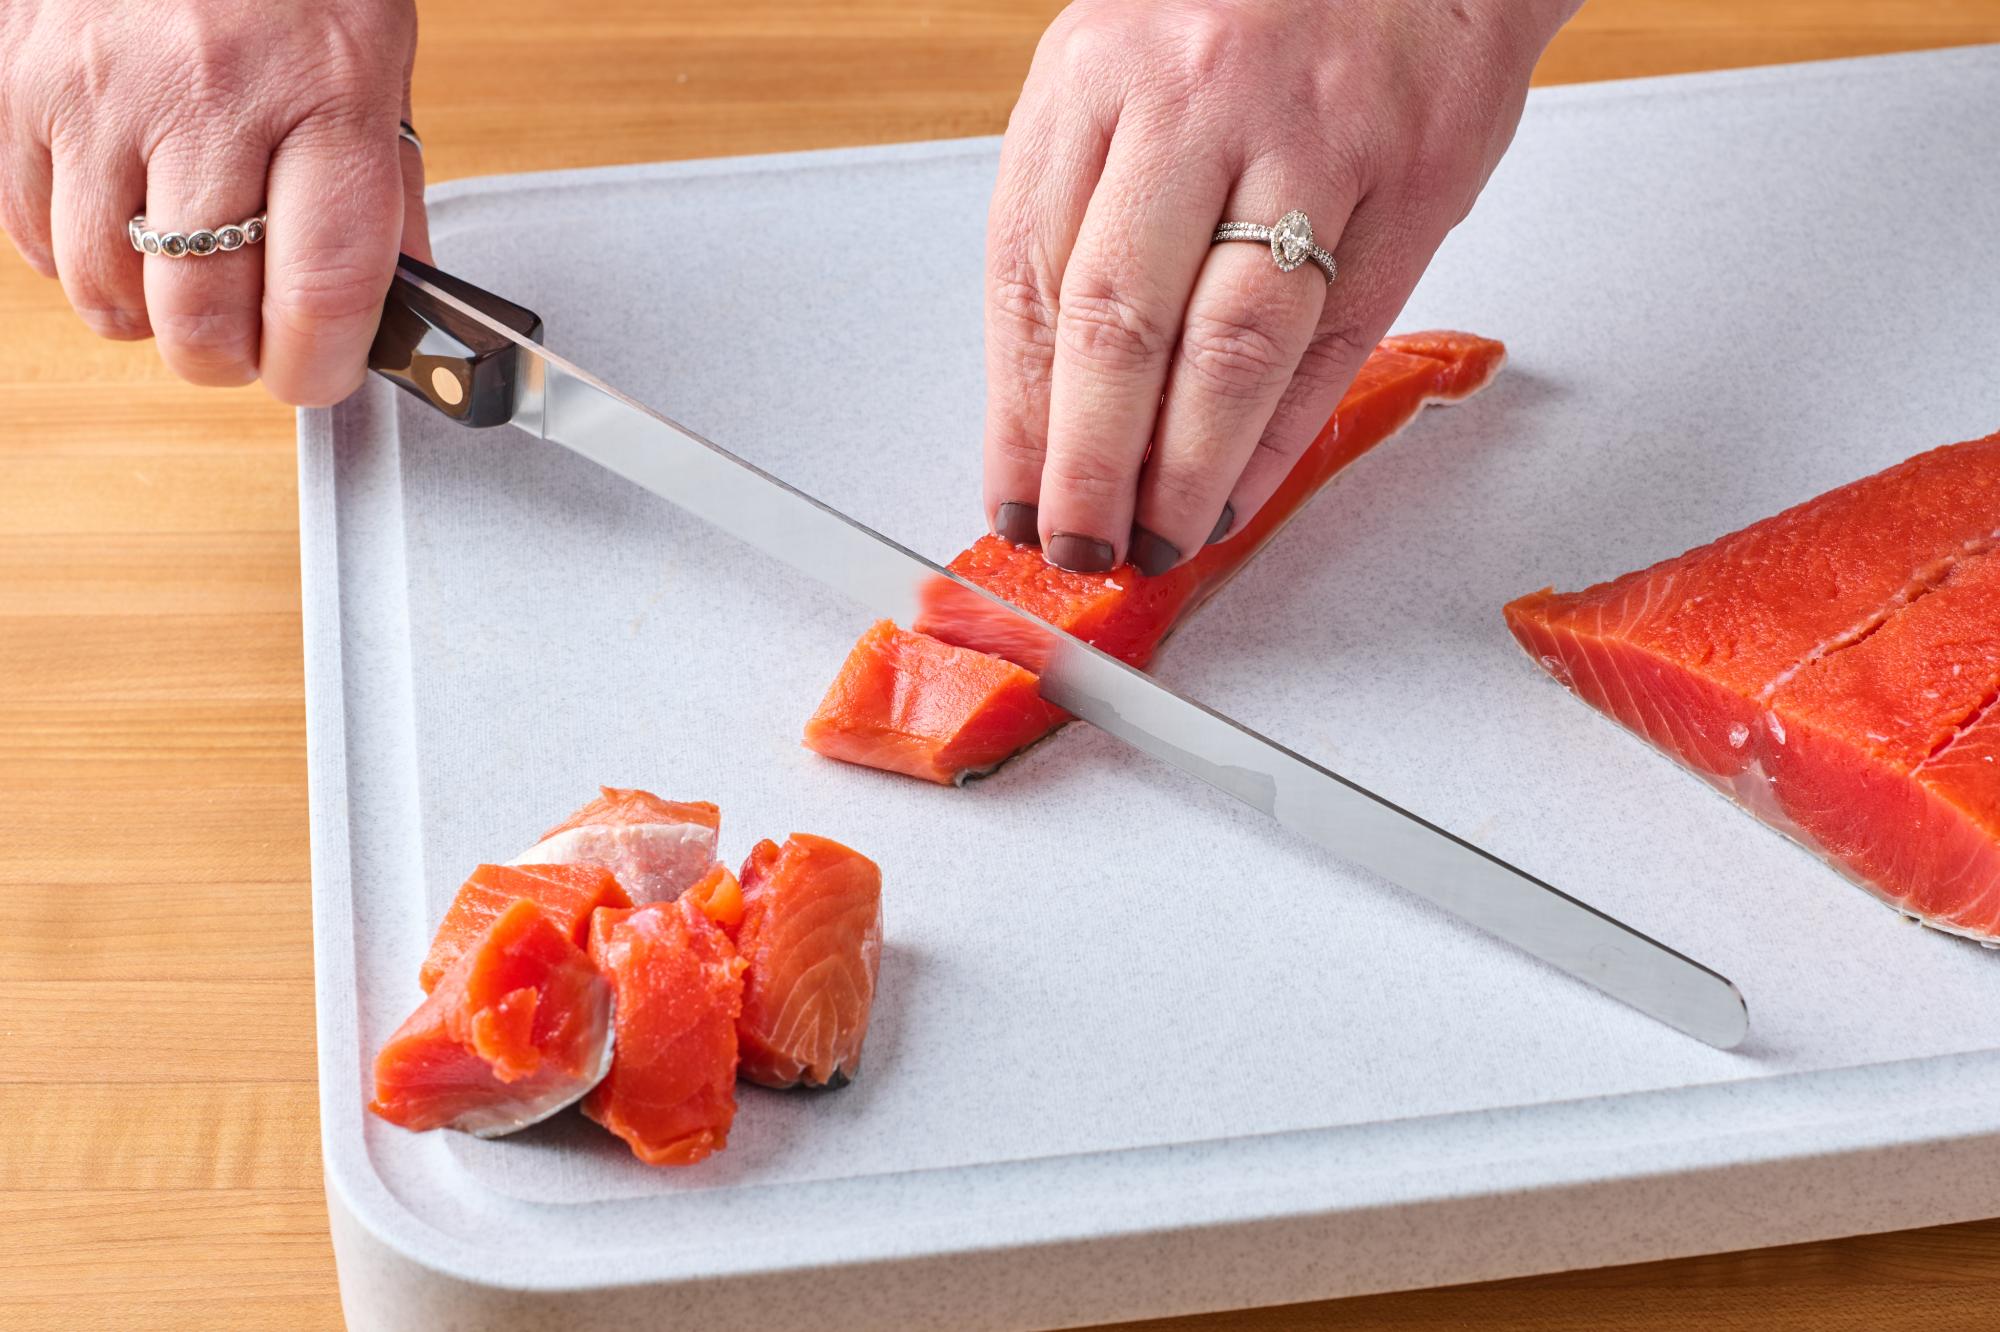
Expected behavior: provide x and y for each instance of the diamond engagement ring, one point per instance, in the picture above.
(194, 244)
(1291, 241)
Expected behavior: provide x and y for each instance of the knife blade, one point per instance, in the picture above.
(478, 358)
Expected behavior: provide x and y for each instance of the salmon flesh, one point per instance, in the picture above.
(518, 1027)
(1833, 668)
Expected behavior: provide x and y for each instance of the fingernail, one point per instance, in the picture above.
(1015, 522)
(1223, 524)
(1152, 554)
(1079, 554)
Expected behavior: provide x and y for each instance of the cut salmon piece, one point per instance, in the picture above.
(905, 702)
(720, 898)
(1834, 668)
(567, 894)
(656, 847)
(811, 938)
(678, 981)
(516, 1029)
(914, 707)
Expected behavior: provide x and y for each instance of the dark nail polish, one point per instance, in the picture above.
(1223, 524)
(1016, 522)
(1151, 554)
(1079, 554)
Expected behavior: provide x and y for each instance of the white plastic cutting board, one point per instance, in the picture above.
(1137, 1051)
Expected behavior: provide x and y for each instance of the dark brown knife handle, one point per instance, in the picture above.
(456, 364)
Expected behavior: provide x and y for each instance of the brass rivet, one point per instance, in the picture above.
(445, 384)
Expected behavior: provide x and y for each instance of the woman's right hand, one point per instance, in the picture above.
(200, 113)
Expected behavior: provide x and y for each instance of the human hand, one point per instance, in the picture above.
(1148, 390)
(199, 113)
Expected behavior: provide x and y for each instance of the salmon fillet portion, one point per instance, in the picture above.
(1834, 668)
(671, 1090)
(973, 716)
(567, 894)
(909, 703)
(518, 1027)
(811, 939)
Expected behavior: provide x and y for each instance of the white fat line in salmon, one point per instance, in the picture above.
(1925, 581)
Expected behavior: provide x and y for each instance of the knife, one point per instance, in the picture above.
(478, 359)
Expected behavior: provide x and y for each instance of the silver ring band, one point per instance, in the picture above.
(1291, 241)
(220, 240)
(194, 244)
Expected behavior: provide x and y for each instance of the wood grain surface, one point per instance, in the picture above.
(159, 1162)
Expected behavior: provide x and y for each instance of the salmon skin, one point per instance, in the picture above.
(811, 940)
(655, 847)
(908, 706)
(567, 895)
(517, 1028)
(1833, 668)
(671, 1090)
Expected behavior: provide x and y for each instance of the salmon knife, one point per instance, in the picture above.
(478, 359)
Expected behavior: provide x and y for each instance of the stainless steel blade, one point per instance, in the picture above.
(565, 404)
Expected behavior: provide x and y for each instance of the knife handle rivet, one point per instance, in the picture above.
(446, 386)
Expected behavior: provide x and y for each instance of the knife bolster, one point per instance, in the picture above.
(456, 364)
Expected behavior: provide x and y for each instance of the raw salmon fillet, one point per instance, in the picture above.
(907, 702)
(567, 895)
(516, 1029)
(1833, 668)
(671, 1091)
(916, 708)
(655, 847)
(811, 939)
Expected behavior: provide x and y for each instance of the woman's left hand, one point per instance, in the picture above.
(1147, 389)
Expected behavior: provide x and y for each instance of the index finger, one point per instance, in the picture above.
(334, 222)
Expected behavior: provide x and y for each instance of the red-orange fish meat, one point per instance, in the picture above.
(811, 939)
(1834, 668)
(671, 1091)
(518, 1027)
(567, 894)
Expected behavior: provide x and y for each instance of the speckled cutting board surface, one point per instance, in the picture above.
(1719, 299)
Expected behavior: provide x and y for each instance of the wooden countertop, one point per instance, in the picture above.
(159, 1151)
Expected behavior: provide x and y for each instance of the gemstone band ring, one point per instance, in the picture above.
(1291, 241)
(194, 244)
